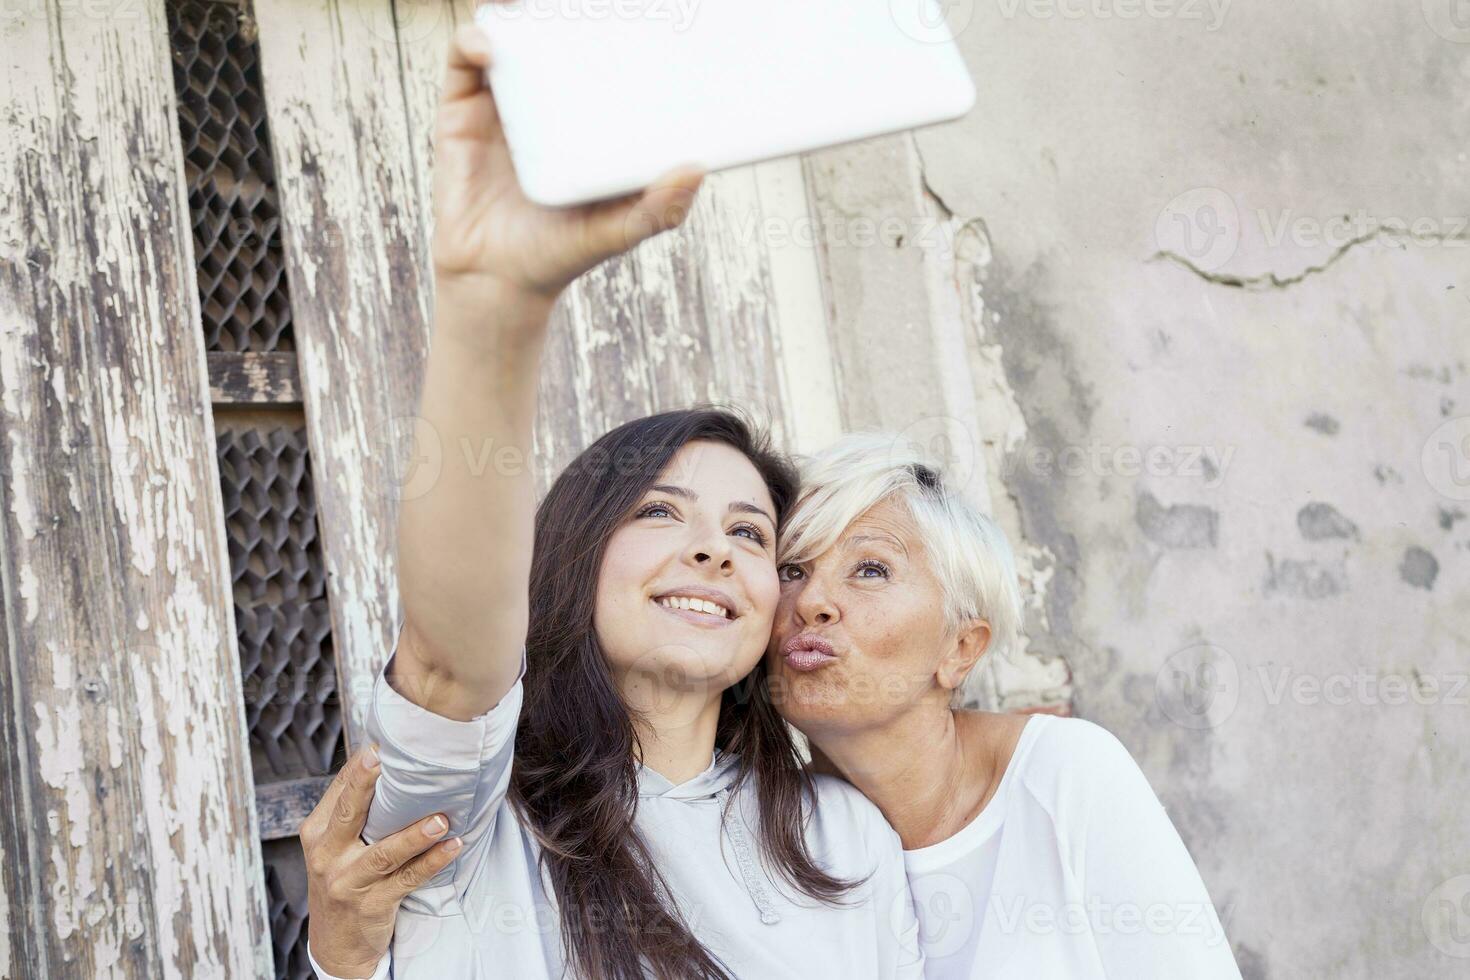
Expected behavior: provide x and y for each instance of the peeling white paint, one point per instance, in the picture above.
(123, 420)
(362, 190)
(21, 504)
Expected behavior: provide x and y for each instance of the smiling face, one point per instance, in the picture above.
(687, 588)
(860, 636)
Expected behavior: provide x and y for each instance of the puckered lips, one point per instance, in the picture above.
(807, 652)
(696, 604)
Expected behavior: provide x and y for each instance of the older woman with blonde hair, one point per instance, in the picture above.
(1033, 846)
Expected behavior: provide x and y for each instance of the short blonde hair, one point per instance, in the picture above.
(967, 550)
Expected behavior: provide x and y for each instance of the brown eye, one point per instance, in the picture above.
(789, 573)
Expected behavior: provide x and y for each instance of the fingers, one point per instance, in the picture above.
(620, 225)
(314, 827)
(418, 871)
(349, 808)
(668, 201)
(388, 856)
(469, 58)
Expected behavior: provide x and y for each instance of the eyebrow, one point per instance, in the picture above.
(738, 506)
(881, 538)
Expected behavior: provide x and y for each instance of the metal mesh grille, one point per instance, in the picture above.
(285, 883)
(281, 613)
(231, 177)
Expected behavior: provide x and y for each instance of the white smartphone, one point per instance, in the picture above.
(601, 97)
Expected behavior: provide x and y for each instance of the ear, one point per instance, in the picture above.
(968, 646)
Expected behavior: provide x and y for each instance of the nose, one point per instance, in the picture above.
(710, 551)
(814, 605)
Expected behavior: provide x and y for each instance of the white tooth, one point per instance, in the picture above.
(706, 606)
(683, 602)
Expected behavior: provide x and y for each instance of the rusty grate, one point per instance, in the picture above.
(281, 613)
(285, 883)
(231, 177)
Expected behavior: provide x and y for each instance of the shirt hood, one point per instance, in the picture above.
(714, 785)
(717, 777)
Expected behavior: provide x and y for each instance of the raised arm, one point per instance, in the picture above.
(464, 545)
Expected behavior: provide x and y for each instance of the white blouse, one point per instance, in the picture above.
(1073, 871)
(492, 914)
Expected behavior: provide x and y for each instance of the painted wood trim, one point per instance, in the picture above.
(356, 261)
(129, 845)
(280, 807)
(254, 379)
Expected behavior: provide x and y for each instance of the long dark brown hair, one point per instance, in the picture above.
(575, 776)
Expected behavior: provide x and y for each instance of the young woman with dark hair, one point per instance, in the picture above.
(577, 695)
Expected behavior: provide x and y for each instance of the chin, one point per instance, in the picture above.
(807, 700)
(693, 664)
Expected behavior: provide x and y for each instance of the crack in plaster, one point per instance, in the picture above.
(1271, 280)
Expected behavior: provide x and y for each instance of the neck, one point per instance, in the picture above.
(919, 769)
(676, 729)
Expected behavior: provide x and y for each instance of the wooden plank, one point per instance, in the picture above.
(424, 29)
(688, 318)
(280, 807)
(254, 379)
(356, 259)
(129, 840)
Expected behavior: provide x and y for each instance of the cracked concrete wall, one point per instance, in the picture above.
(1209, 271)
